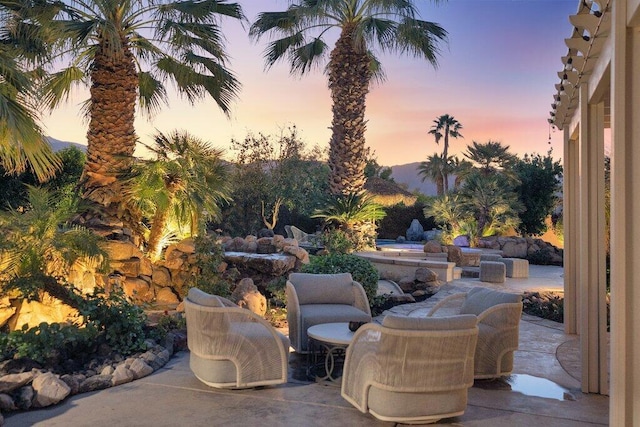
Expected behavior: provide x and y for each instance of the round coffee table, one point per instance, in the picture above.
(334, 338)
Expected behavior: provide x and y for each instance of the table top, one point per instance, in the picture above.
(332, 333)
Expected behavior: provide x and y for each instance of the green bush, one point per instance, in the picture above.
(108, 319)
(49, 344)
(209, 256)
(337, 241)
(361, 270)
(119, 323)
(276, 292)
(166, 323)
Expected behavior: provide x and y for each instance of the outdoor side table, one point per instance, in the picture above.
(333, 339)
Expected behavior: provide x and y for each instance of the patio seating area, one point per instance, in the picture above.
(544, 387)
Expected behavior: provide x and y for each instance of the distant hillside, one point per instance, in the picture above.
(58, 145)
(408, 174)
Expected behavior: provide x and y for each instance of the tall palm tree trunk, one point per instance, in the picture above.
(158, 226)
(111, 137)
(445, 163)
(349, 77)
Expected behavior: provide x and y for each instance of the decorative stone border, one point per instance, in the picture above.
(39, 388)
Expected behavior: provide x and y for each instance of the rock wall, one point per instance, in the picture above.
(524, 247)
(162, 283)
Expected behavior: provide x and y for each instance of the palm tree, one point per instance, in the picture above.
(38, 245)
(22, 143)
(491, 202)
(461, 169)
(445, 126)
(126, 50)
(492, 157)
(185, 181)
(432, 169)
(390, 25)
(354, 215)
(447, 210)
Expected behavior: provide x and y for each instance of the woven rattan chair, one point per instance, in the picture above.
(232, 347)
(313, 299)
(411, 370)
(499, 322)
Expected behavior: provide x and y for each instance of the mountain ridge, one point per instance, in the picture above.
(408, 174)
(404, 174)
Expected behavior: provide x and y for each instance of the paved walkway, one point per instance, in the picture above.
(544, 390)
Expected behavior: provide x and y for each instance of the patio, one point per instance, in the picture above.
(545, 388)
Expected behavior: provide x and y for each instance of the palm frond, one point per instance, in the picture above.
(283, 22)
(220, 83)
(57, 86)
(278, 49)
(152, 93)
(305, 57)
(420, 39)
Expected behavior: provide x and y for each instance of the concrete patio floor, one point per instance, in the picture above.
(544, 390)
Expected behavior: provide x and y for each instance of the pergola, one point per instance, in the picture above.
(599, 89)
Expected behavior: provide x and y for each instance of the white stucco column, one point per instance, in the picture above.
(570, 222)
(591, 275)
(625, 219)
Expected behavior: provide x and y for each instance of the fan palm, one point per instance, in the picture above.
(431, 169)
(186, 181)
(390, 25)
(461, 169)
(38, 245)
(492, 157)
(445, 126)
(126, 50)
(491, 202)
(347, 211)
(22, 144)
(354, 216)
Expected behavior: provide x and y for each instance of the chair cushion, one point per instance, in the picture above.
(199, 297)
(481, 299)
(213, 371)
(323, 288)
(429, 406)
(315, 314)
(466, 321)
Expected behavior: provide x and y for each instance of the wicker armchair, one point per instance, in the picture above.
(499, 322)
(411, 370)
(232, 347)
(313, 299)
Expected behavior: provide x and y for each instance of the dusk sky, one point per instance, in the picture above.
(496, 76)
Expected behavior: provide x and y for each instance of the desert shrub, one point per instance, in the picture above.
(361, 270)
